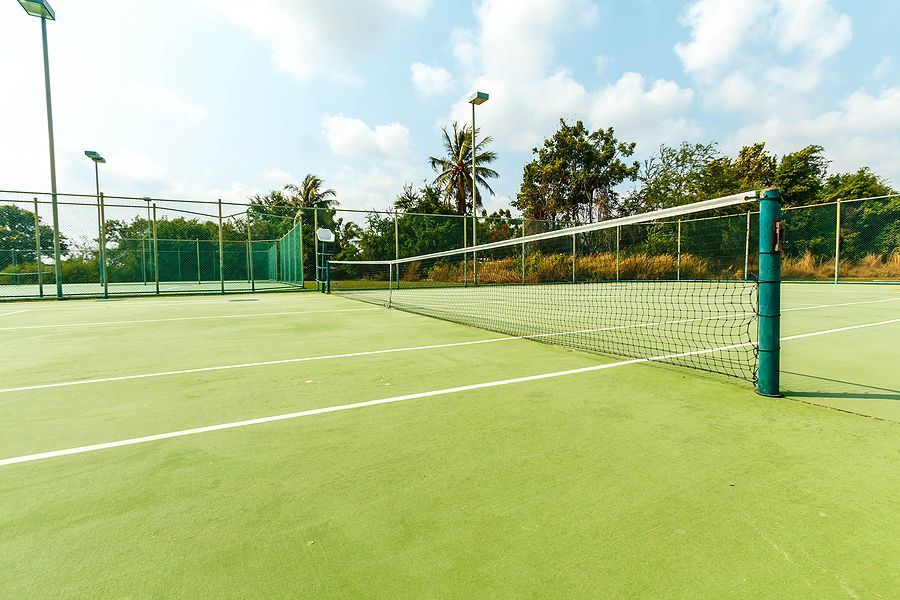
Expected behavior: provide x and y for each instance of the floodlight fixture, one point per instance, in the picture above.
(38, 8)
(478, 98)
(324, 235)
(94, 156)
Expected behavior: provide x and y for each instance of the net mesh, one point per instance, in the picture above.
(672, 286)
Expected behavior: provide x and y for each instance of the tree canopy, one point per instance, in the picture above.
(454, 168)
(575, 175)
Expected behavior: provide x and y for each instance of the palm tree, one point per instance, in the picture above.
(454, 169)
(310, 194)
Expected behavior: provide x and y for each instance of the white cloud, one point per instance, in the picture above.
(782, 41)
(718, 30)
(430, 80)
(352, 138)
(601, 61)
(862, 132)
(512, 56)
(310, 37)
(278, 178)
(126, 169)
(883, 68)
(631, 104)
(375, 187)
(812, 27)
(162, 98)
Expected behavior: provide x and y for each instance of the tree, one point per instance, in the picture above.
(454, 169)
(309, 193)
(575, 175)
(861, 184)
(677, 176)
(800, 175)
(17, 239)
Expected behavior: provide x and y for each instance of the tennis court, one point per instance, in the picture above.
(261, 445)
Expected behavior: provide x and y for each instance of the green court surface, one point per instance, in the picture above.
(634, 480)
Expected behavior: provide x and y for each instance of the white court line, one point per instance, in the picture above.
(15, 312)
(207, 317)
(330, 409)
(816, 306)
(848, 328)
(285, 361)
(342, 407)
(375, 352)
(136, 302)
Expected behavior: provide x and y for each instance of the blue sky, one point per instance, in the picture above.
(224, 98)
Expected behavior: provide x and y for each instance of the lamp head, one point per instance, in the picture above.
(38, 8)
(478, 98)
(94, 156)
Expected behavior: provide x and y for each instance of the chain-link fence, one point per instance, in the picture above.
(113, 245)
(131, 246)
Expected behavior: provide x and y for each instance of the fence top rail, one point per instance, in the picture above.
(144, 200)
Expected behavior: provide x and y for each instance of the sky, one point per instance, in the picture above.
(207, 99)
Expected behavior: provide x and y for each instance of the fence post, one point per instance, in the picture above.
(250, 255)
(524, 223)
(299, 275)
(837, 243)
(37, 249)
(770, 240)
(573, 258)
(221, 253)
(747, 249)
(155, 251)
(396, 237)
(678, 265)
(474, 243)
(618, 237)
(465, 229)
(316, 242)
(104, 274)
(197, 243)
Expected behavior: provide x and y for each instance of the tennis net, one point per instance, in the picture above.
(675, 285)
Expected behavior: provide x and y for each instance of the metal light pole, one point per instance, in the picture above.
(97, 159)
(477, 98)
(42, 10)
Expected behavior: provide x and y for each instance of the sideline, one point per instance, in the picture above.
(393, 399)
(171, 319)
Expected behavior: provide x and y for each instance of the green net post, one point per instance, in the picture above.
(837, 242)
(37, 249)
(221, 253)
(770, 242)
(155, 251)
(104, 275)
